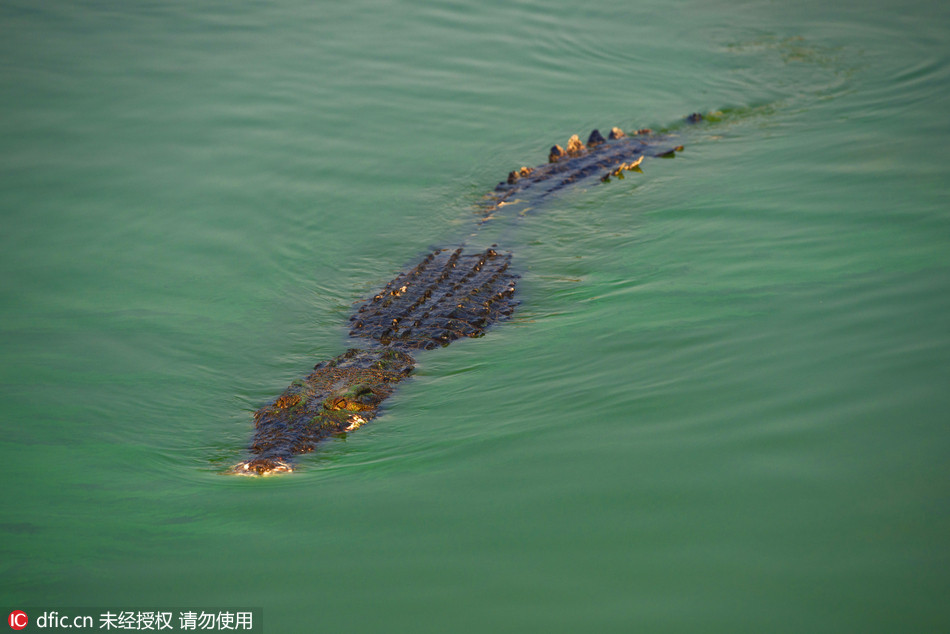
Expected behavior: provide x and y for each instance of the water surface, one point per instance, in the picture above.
(721, 405)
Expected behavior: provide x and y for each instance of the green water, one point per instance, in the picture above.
(721, 406)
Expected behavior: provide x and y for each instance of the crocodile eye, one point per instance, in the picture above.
(365, 395)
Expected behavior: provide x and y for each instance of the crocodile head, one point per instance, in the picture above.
(339, 396)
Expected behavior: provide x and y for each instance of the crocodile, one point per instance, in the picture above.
(451, 293)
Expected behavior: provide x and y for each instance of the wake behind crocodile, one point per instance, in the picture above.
(454, 292)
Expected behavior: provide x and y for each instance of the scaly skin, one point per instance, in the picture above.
(598, 157)
(449, 295)
(340, 395)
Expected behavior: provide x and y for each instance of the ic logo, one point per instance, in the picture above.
(18, 619)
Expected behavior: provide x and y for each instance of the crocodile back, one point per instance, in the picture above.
(449, 295)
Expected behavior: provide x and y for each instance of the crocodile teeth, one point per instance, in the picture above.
(355, 423)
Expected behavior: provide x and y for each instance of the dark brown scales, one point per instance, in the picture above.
(450, 294)
(340, 395)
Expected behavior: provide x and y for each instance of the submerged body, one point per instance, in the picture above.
(450, 294)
